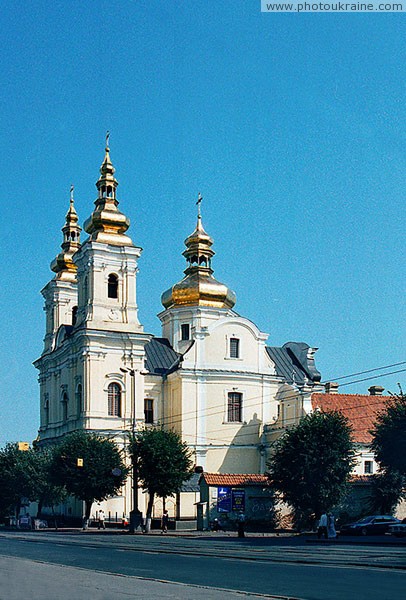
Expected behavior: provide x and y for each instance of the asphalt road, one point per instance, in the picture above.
(277, 567)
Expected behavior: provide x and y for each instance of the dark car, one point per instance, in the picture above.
(373, 525)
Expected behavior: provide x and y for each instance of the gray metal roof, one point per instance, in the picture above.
(294, 362)
(160, 357)
(192, 484)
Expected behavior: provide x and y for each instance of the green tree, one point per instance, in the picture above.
(102, 474)
(389, 436)
(386, 491)
(19, 477)
(47, 493)
(163, 463)
(311, 464)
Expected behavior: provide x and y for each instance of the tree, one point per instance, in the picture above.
(389, 436)
(19, 476)
(162, 461)
(90, 466)
(47, 493)
(386, 491)
(311, 464)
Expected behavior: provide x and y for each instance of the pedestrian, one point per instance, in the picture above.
(101, 524)
(241, 524)
(164, 522)
(322, 528)
(331, 529)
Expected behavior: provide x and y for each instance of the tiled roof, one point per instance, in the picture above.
(361, 479)
(361, 410)
(160, 357)
(228, 479)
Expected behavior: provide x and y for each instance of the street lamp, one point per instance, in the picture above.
(135, 515)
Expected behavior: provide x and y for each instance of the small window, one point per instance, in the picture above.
(112, 286)
(114, 400)
(149, 411)
(368, 467)
(185, 331)
(74, 315)
(234, 348)
(234, 407)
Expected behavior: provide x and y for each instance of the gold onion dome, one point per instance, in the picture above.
(107, 224)
(199, 287)
(63, 264)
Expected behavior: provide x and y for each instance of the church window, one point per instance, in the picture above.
(114, 400)
(86, 288)
(149, 411)
(368, 467)
(234, 348)
(79, 400)
(112, 286)
(74, 315)
(65, 407)
(234, 407)
(46, 409)
(185, 332)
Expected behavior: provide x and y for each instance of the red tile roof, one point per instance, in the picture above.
(229, 480)
(361, 410)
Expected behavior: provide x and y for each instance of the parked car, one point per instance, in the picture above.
(373, 525)
(399, 530)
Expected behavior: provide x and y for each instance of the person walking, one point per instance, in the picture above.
(164, 522)
(241, 524)
(322, 528)
(331, 529)
(101, 524)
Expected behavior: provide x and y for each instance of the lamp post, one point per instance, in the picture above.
(135, 515)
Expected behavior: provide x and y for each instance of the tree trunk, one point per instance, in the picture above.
(88, 508)
(18, 509)
(39, 510)
(149, 513)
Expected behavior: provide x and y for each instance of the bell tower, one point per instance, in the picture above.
(60, 293)
(107, 262)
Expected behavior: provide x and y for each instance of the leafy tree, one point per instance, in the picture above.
(19, 476)
(386, 491)
(163, 463)
(389, 436)
(103, 472)
(311, 464)
(47, 492)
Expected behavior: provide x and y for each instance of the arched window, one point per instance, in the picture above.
(79, 399)
(46, 409)
(112, 286)
(74, 315)
(65, 407)
(114, 400)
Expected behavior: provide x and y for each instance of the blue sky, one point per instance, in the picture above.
(291, 126)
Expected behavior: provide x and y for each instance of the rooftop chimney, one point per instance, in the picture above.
(375, 390)
(331, 387)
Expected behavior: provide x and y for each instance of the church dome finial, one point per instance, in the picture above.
(199, 287)
(107, 224)
(63, 265)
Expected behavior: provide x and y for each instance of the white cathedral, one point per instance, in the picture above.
(211, 376)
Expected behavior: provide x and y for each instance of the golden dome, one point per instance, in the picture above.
(199, 287)
(107, 224)
(63, 265)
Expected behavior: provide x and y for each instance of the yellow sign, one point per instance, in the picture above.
(23, 446)
(79, 462)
